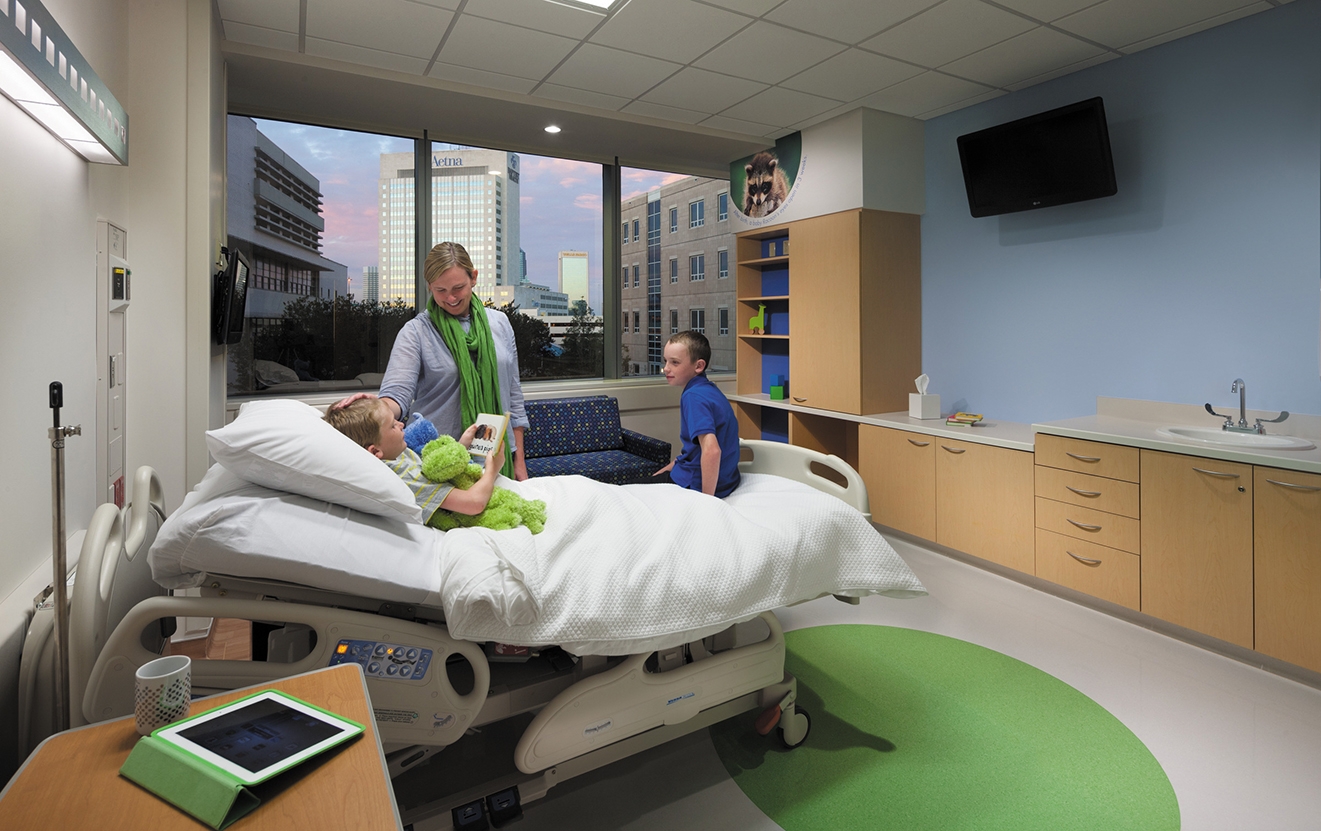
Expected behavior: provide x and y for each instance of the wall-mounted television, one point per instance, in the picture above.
(230, 299)
(1051, 158)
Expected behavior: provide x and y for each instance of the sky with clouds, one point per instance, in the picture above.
(560, 200)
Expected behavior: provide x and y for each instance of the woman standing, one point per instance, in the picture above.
(456, 359)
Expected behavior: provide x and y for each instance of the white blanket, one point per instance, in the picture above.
(617, 570)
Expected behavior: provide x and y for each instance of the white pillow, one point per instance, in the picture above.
(286, 445)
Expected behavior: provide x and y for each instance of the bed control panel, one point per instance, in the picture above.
(378, 659)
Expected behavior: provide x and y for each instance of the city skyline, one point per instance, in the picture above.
(560, 200)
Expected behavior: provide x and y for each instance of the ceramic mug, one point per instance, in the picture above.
(162, 692)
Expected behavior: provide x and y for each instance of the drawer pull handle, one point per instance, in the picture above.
(1082, 526)
(1292, 485)
(1082, 458)
(919, 443)
(799, 400)
(1084, 560)
(1216, 473)
(1083, 493)
(954, 449)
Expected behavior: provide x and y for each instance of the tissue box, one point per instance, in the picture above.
(923, 406)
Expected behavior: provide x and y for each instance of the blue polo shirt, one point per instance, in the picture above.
(704, 409)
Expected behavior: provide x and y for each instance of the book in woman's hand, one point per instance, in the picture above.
(489, 436)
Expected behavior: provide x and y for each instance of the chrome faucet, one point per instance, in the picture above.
(1242, 427)
(1242, 390)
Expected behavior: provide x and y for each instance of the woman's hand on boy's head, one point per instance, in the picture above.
(344, 402)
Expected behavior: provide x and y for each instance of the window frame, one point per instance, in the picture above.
(697, 213)
(697, 319)
(697, 267)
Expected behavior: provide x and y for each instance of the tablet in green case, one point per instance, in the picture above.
(204, 764)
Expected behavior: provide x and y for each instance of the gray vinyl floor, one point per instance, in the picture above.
(1241, 746)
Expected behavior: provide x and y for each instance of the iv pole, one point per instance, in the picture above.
(60, 557)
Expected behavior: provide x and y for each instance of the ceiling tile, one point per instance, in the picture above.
(734, 125)
(768, 53)
(851, 74)
(257, 36)
(1063, 70)
(554, 18)
(602, 69)
(1026, 56)
(1117, 23)
(676, 30)
(1210, 23)
(555, 92)
(847, 20)
(663, 112)
(367, 57)
(780, 107)
(1044, 10)
(269, 14)
(967, 102)
(498, 47)
(697, 89)
(923, 94)
(480, 78)
(756, 8)
(842, 109)
(385, 25)
(950, 31)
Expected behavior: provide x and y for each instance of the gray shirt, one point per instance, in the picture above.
(422, 376)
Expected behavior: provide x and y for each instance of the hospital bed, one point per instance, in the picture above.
(429, 674)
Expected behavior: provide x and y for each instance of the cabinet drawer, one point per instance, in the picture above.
(1110, 530)
(1107, 573)
(1112, 461)
(1110, 495)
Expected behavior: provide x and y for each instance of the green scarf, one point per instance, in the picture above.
(474, 355)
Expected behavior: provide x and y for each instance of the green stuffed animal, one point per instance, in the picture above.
(445, 460)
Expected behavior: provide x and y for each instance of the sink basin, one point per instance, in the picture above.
(1224, 438)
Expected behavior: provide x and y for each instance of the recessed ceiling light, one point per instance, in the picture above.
(598, 6)
(551, 128)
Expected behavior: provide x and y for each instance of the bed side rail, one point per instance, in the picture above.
(792, 462)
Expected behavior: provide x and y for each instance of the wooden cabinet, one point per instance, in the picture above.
(899, 468)
(1197, 544)
(843, 308)
(984, 502)
(1287, 568)
(1098, 570)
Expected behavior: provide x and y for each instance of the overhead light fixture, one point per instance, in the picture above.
(597, 6)
(551, 128)
(44, 74)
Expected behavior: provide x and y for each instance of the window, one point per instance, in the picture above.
(697, 320)
(625, 276)
(724, 263)
(635, 230)
(624, 238)
(722, 207)
(674, 220)
(697, 267)
(697, 213)
(723, 315)
(637, 326)
(674, 321)
(635, 275)
(674, 269)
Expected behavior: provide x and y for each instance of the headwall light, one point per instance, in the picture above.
(44, 74)
(551, 128)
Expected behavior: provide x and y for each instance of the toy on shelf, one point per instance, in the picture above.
(757, 325)
(779, 388)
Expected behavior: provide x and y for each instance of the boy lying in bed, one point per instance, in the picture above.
(371, 423)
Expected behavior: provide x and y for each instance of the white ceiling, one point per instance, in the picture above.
(755, 68)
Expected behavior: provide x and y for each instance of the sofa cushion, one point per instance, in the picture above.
(558, 426)
(611, 466)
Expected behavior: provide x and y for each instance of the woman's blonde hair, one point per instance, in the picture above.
(443, 257)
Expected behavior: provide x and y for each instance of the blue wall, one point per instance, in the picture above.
(1205, 267)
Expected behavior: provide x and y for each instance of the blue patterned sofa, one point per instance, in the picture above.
(583, 436)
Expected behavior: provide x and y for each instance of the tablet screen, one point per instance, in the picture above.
(257, 737)
(260, 735)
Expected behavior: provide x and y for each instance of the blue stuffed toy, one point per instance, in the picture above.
(418, 432)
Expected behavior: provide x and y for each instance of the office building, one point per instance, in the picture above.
(474, 202)
(371, 285)
(573, 275)
(534, 300)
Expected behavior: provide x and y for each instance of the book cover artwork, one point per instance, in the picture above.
(490, 434)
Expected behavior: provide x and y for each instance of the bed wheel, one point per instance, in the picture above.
(794, 729)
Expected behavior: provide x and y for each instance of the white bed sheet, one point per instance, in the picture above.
(618, 570)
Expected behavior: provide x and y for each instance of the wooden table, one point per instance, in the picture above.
(72, 779)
